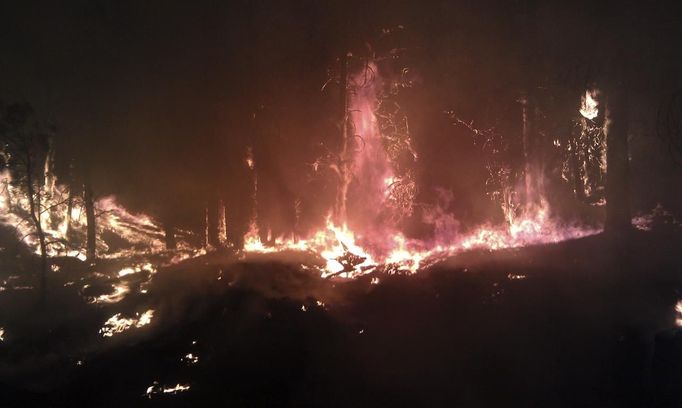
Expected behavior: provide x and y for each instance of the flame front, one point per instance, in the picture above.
(365, 236)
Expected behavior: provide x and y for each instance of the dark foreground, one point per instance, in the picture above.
(589, 323)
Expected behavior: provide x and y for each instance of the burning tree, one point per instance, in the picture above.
(25, 144)
(374, 127)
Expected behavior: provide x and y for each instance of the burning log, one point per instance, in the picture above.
(348, 260)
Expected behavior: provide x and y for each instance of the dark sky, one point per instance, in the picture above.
(159, 94)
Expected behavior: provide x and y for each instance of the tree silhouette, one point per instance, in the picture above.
(25, 142)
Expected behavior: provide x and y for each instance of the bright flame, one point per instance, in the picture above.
(157, 389)
(589, 107)
(117, 324)
(119, 292)
(678, 311)
(190, 358)
(177, 388)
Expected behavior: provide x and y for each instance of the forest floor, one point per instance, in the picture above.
(588, 323)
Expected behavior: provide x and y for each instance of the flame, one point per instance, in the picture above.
(119, 292)
(369, 244)
(249, 158)
(190, 358)
(177, 388)
(118, 324)
(155, 388)
(144, 235)
(407, 255)
(589, 106)
(372, 241)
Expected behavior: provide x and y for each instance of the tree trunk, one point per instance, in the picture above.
(35, 217)
(91, 247)
(206, 227)
(213, 219)
(69, 209)
(532, 149)
(8, 193)
(617, 175)
(171, 243)
(576, 173)
(344, 160)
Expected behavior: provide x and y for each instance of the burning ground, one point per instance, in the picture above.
(477, 329)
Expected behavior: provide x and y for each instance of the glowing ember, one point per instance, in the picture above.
(119, 292)
(177, 388)
(658, 215)
(126, 271)
(157, 389)
(190, 358)
(118, 324)
(137, 269)
(678, 311)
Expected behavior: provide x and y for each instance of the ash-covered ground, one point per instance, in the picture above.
(590, 322)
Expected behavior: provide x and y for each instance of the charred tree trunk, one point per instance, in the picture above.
(240, 216)
(576, 173)
(206, 227)
(618, 217)
(69, 209)
(88, 198)
(34, 209)
(169, 232)
(344, 160)
(213, 219)
(530, 148)
(223, 222)
(8, 193)
(532, 152)
(69, 203)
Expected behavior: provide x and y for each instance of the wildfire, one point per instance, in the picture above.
(368, 245)
(361, 236)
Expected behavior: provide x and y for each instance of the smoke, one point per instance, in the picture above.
(445, 226)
